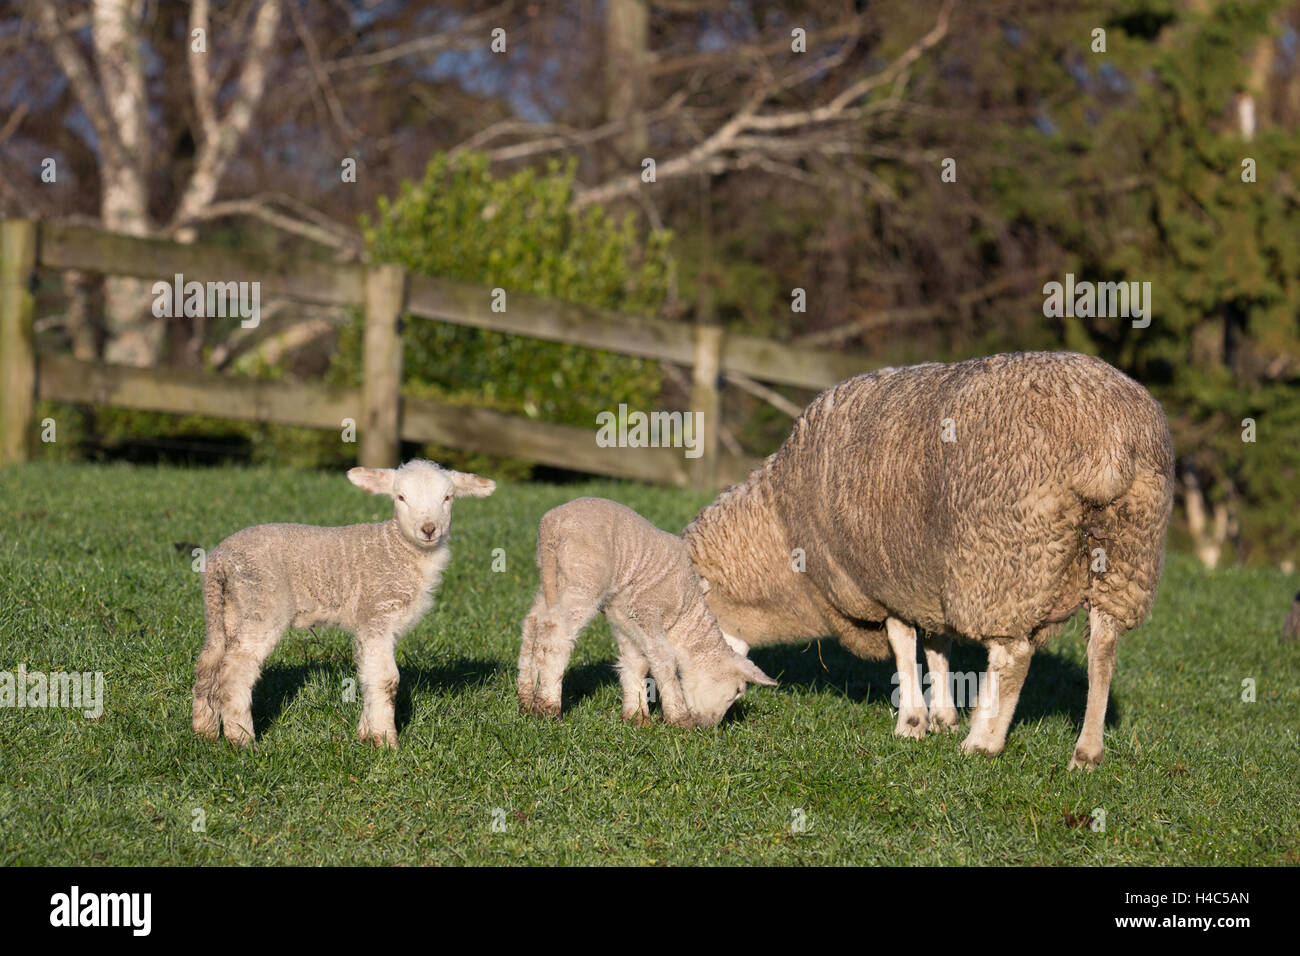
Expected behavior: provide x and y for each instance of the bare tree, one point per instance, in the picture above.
(109, 83)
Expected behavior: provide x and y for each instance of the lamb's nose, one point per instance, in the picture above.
(429, 529)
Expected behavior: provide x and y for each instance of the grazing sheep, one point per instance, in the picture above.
(988, 499)
(596, 555)
(374, 580)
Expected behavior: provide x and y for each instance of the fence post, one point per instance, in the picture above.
(17, 352)
(706, 403)
(381, 386)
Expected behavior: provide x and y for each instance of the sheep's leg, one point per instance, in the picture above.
(663, 667)
(377, 670)
(556, 631)
(529, 667)
(912, 720)
(1008, 664)
(240, 668)
(205, 713)
(1103, 633)
(943, 711)
(633, 667)
(652, 640)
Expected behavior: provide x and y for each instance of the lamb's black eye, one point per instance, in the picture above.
(401, 497)
(448, 498)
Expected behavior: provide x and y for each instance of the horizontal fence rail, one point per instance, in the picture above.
(93, 250)
(383, 415)
(64, 379)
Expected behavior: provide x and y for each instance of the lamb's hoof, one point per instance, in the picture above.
(240, 738)
(638, 718)
(206, 731)
(541, 708)
(1085, 758)
(911, 725)
(944, 721)
(386, 737)
(979, 745)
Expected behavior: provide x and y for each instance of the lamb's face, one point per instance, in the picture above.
(710, 688)
(422, 494)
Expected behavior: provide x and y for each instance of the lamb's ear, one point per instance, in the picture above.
(736, 644)
(377, 481)
(471, 486)
(751, 672)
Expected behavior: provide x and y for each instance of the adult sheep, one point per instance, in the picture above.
(966, 499)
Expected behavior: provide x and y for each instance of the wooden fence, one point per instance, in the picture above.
(383, 415)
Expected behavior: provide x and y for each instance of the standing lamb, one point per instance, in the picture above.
(988, 499)
(374, 580)
(597, 555)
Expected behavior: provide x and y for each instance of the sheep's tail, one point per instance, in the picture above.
(1130, 528)
(206, 716)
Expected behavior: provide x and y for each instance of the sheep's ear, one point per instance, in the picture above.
(751, 672)
(471, 486)
(377, 481)
(736, 644)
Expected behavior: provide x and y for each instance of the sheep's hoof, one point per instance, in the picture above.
(944, 721)
(541, 708)
(911, 725)
(239, 737)
(1085, 759)
(978, 745)
(379, 739)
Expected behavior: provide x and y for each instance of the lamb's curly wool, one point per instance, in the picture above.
(988, 499)
(374, 580)
(597, 555)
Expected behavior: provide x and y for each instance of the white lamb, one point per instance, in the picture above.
(596, 555)
(373, 580)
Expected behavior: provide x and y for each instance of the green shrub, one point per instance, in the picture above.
(517, 233)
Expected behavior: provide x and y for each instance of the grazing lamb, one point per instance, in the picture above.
(987, 499)
(596, 555)
(374, 580)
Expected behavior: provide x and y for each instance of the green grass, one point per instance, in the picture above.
(95, 576)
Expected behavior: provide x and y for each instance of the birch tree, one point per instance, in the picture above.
(109, 81)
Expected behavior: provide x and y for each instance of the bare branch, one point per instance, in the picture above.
(715, 153)
(260, 207)
(758, 390)
(215, 152)
(77, 70)
(200, 80)
(466, 35)
(320, 77)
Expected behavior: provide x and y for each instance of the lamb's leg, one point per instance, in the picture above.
(557, 630)
(240, 668)
(1103, 632)
(912, 719)
(529, 667)
(943, 712)
(205, 713)
(663, 668)
(1008, 664)
(377, 670)
(633, 667)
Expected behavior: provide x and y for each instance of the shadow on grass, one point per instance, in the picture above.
(281, 683)
(1056, 685)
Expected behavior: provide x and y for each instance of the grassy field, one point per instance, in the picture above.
(95, 576)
